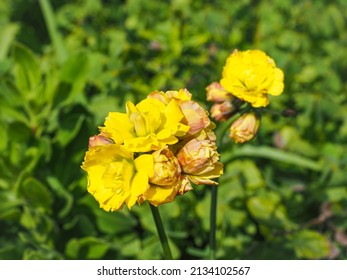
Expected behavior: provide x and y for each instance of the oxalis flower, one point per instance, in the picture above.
(252, 76)
(115, 178)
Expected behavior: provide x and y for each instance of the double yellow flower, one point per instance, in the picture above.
(152, 152)
(252, 76)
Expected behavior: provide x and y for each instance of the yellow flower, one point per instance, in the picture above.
(199, 161)
(152, 152)
(195, 116)
(216, 93)
(251, 76)
(150, 125)
(167, 180)
(244, 128)
(114, 177)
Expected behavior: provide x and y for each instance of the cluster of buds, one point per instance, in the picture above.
(249, 77)
(153, 152)
(223, 107)
(245, 127)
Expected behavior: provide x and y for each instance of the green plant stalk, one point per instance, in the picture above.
(53, 30)
(161, 232)
(214, 194)
(213, 222)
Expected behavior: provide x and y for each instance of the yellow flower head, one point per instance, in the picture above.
(114, 177)
(148, 126)
(251, 76)
(152, 152)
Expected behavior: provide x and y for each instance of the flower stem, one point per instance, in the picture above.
(161, 232)
(213, 222)
(214, 194)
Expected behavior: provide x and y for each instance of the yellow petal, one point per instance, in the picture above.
(153, 112)
(173, 114)
(95, 178)
(143, 144)
(130, 107)
(261, 102)
(157, 195)
(206, 178)
(145, 163)
(138, 187)
(118, 126)
(277, 85)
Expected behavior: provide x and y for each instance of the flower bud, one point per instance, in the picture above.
(194, 116)
(99, 140)
(166, 168)
(167, 181)
(245, 128)
(222, 111)
(216, 93)
(199, 159)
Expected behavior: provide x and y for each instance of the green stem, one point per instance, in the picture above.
(214, 194)
(161, 232)
(53, 30)
(213, 222)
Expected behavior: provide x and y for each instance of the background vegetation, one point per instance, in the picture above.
(283, 196)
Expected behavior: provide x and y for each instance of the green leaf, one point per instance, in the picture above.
(28, 219)
(19, 132)
(113, 223)
(7, 35)
(336, 194)
(9, 251)
(36, 193)
(51, 24)
(268, 208)
(3, 137)
(61, 192)
(309, 244)
(131, 245)
(252, 175)
(73, 76)
(273, 154)
(11, 214)
(26, 70)
(86, 248)
(262, 207)
(69, 128)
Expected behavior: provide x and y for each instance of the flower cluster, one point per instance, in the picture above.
(152, 152)
(248, 77)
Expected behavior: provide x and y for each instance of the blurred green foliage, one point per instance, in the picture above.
(283, 196)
